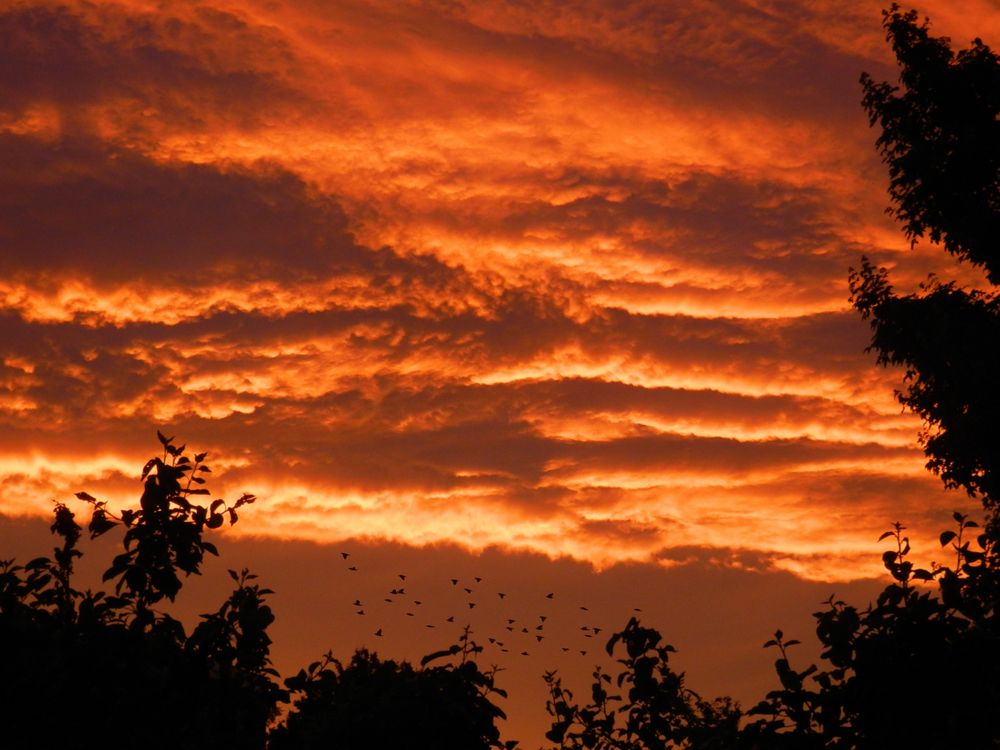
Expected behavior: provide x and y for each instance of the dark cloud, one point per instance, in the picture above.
(111, 215)
(164, 68)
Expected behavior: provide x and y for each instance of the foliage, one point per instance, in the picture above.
(88, 669)
(657, 711)
(917, 668)
(92, 669)
(941, 141)
(375, 703)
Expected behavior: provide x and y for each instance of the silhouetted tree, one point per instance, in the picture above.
(375, 703)
(941, 141)
(82, 669)
(645, 706)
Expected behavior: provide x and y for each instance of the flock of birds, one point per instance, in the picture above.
(511, 635)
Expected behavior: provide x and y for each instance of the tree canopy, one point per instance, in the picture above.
(940, 138)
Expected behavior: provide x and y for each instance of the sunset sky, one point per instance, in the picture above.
(553, 293)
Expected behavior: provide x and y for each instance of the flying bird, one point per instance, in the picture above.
(354, 568)
(451, 619)
(501, 594)
(345, 555)
(357, 602)
(543, 618)
(467, 591)
(549, 596)
(478, 579)
(472, 605)
(454, 581)
(539, 637)
(584, 609)
(360, 612)
(402, 577)
(379, 632)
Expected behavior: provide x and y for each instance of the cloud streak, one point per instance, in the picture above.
(568, 279)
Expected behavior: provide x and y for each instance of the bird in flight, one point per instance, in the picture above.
(454, 581)
(549, 596)
(478, 579)
(402, 577)
(378, 632)
(354, 568)
(345, 555)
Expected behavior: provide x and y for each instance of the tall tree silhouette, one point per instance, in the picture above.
(940, 137)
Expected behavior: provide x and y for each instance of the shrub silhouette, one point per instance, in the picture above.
(919, 668)
(374, 703)
(646, 705)
(88, 669)
(81, 669)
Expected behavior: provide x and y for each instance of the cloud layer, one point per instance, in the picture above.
(566, 279)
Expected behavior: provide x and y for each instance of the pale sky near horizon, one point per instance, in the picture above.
(556, 286)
